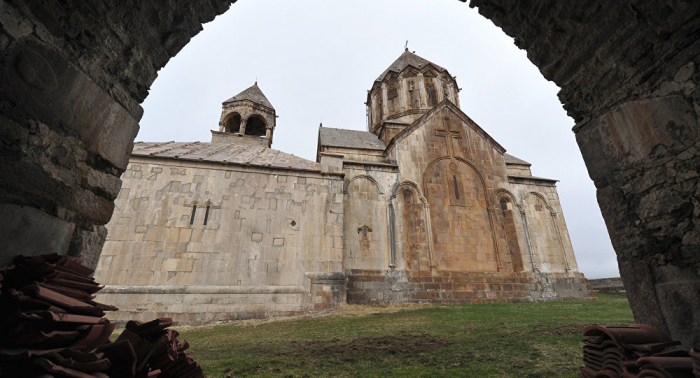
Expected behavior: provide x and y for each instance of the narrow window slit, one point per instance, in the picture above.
(194, 210)
(206, 216)
(454, 180)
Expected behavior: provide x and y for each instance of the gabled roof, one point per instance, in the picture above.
(446, 103)
(510, 159)
(408, 59)
(253, 94)
(349, 139)
(225, 153)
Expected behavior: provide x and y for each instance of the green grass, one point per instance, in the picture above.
(489, 340)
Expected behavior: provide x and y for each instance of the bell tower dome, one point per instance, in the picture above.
(246, 118)
(409, 88)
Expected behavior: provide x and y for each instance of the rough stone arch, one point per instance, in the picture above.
(626, 72)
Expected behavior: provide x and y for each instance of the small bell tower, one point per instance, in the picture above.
(246, 118)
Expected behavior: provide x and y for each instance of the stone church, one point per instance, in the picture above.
(424, 206)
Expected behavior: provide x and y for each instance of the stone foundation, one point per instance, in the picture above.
(609, 285)
(391, 287)
(197, 305)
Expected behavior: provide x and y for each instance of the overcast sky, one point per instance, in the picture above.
(316, 59)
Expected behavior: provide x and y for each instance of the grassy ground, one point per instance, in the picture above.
(490, 340)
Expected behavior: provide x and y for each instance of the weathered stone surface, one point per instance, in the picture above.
(624, 55)
(608, 285)
(30, 232)
(628, 76)
(71, 80)
(234, 217)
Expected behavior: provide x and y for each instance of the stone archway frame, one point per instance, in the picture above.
(501, 193)
(390, 212)
(368, 177)
(487, 196)
(555, 225)
(410, 185)
(225, 118)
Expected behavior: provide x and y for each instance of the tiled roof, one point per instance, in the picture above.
(253, 94)
(510, 159)
(350, 139)
(407, 59)
(227, 153)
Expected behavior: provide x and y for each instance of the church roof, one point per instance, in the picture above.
(349, 139)
(510, 159)
(408, 59)
(226, 153)
(253, 94)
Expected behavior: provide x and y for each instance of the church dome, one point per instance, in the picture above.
(405, 60)
(407, 89)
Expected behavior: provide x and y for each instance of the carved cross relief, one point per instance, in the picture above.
(363, 231)
(449, 135)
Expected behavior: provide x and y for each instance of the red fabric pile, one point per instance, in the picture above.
(50, 326)
(630, 352)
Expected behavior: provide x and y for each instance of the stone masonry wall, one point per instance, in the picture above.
(383, 287)
(254, 246)
(551, 245)
(608, 285)
(445, 151)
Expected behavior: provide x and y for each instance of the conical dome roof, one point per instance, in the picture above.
(408, 59)
(253, 94)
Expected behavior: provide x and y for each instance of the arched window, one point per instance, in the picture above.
(233, 123)
(504, 204)
(255, 126)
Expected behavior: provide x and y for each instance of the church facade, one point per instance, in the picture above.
(424, 206)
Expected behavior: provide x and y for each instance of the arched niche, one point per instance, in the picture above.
(365, 225)
(232, 123)
(413, 238)
(544, 235)
(509, 229)
(462, 229)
